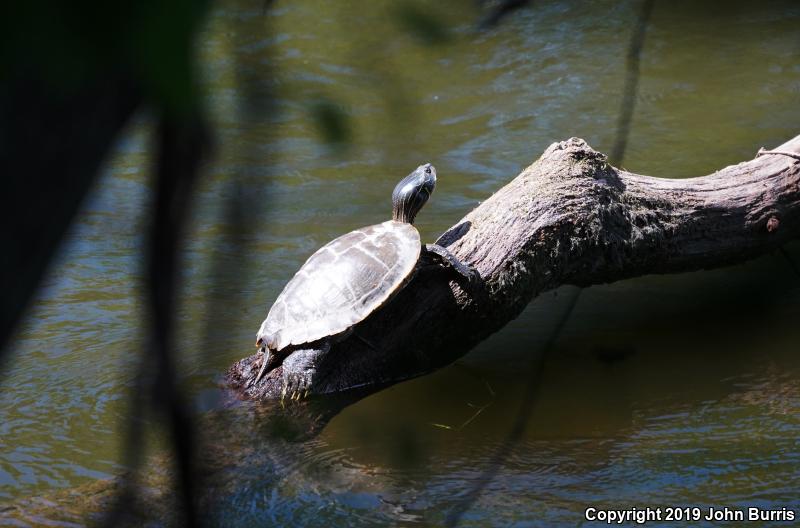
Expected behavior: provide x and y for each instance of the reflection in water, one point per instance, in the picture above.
(600, 434)
(661, 390)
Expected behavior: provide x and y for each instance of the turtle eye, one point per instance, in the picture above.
(427, 170)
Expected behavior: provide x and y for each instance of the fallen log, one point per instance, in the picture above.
(569, 218)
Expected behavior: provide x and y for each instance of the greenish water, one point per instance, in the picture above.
(660, 391)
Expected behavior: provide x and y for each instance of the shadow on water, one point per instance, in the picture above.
(597, 432)
(683, 402)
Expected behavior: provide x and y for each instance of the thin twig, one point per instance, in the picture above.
(623, 131)
(628, 104)
(763, 151)
(520, 423)
(480, 409)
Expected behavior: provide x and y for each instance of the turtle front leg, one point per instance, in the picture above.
(469, 273)
(299, 369)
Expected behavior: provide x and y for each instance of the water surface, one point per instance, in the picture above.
(659, 391)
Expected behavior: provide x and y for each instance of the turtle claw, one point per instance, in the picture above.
(299, 371)
(465, 272)
(297, 385)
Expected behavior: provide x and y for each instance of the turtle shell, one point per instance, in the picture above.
(342, 283)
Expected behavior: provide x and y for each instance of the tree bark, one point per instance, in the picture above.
(569, 218)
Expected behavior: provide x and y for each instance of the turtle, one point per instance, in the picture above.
(347, 280)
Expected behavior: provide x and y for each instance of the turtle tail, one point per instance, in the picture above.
(268, 359)
(272, 360)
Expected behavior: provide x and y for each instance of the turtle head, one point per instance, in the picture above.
(412, 193)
